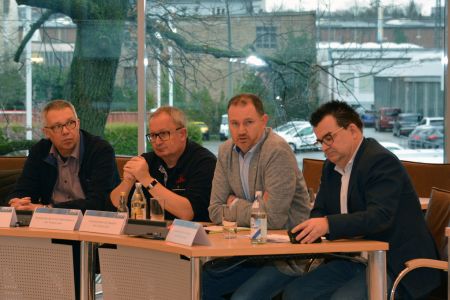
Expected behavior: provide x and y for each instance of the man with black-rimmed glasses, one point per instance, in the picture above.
(69, 169)
(365, 192)
(178, 171)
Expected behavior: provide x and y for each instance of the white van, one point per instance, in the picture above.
(224, 130)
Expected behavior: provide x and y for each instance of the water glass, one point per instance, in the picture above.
(156, 209)
(229, 221)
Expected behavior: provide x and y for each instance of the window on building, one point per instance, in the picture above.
(266, 37)
(299, 60)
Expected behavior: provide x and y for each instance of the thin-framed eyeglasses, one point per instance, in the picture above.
(328, 139)
(58, 128)
(163, 135)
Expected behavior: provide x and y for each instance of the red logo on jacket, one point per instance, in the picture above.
(180, 180)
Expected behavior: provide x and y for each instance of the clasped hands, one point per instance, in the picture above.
(136, 169)
(23, 203)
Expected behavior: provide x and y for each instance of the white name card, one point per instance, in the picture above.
(8, 217)
(104, 222)
(56, 218)
(187, 233)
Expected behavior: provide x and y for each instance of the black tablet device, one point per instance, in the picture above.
(149, 229)
(24, 217)
(293, 235)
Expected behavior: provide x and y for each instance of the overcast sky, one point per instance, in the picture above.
(343, 4)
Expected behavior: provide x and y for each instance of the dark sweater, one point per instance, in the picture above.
(98, 174)
(190, 178)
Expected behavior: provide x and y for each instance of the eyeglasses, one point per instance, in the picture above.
(163, 135)
(328, 138)
(58, 128)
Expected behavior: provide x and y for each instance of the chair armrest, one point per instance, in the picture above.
(427, 263)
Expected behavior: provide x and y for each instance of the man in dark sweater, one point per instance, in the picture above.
(69, 169)
(177, 172)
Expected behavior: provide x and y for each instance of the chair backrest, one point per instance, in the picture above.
(8, 180)
(12, 162)
(312, 171)
(121, 161)
(424, 176)
(438, 217)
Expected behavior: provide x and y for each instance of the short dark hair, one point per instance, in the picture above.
(244, 99)
(340, 110)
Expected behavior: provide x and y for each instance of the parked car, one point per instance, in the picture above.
(289, 125)
(224, 131)
(368, 118)
(429, 137)
(391, 146)
(300, 137)
(405, 123)
(385, 118)
(203, 128)
(432, 121)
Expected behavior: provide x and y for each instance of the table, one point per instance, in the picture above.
(180, 266)
(241, 246)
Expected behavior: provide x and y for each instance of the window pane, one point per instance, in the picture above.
(202, 53)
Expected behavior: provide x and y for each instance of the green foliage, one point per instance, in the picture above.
(253, 83)
(124, 138)
(124, 99)
(48, 82)
(295, 90)
(10, 146)
(201, 107)
(194, 133)
(7, 145)
(12, 92)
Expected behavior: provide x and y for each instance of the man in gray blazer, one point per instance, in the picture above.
(255, 159)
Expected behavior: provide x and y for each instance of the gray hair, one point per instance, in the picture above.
(58, 105)
(177, 115)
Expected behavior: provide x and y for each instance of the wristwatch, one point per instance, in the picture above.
(152, 184)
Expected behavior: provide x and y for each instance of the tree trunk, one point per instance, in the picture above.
(93, 70)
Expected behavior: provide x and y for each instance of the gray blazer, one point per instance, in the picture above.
(273, 169)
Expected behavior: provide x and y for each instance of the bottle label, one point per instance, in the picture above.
(258, 229)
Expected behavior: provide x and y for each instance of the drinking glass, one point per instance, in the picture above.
(156, 210)
(229, 221)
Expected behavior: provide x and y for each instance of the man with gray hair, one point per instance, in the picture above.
(69, 169)
(178, 171)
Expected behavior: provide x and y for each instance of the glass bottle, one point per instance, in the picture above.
(138, 203)
(258, 221)
(123, 207)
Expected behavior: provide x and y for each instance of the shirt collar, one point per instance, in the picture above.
(75, 153)
(349, 164)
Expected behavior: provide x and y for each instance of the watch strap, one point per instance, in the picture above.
(152, 184)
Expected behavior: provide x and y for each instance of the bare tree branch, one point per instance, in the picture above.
(30, 33)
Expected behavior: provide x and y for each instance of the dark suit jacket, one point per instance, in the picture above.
(98, 174)
(383, 206)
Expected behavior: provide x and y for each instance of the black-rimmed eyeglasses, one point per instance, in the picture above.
(58, 128)
(328, 139)
(163, 135)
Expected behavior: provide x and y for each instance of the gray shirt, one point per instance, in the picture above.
(67, 186)
(273, 169)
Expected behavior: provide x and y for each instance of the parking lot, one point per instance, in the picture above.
(429, 155)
